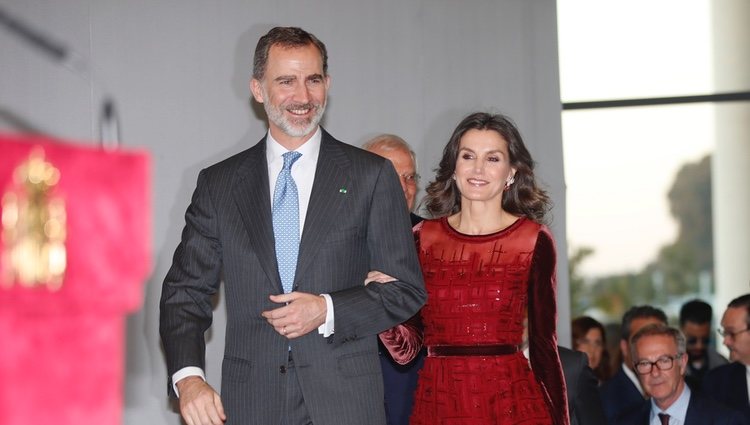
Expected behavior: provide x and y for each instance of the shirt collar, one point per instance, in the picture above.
(678, 409)
(309, 149)
(633, 378)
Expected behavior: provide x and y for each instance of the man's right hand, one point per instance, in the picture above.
(199, 403)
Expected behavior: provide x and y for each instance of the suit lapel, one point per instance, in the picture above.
(693, 413)
(331, 177)
(738, 384)
(254, 203)
(644, 417)
(742, 382)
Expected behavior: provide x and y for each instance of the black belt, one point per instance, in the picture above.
(471, 350)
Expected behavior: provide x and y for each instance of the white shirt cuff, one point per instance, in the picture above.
(326, 329)
(184, 373)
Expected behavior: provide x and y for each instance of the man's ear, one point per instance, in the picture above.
(257, 90)
(624, 349)
(683, 361)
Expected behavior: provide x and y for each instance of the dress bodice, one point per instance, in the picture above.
(477, 285)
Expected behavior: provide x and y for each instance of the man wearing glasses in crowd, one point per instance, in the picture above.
(623, 392)
(695, 323)
(404, 160)
(730, 383)
(660, 360)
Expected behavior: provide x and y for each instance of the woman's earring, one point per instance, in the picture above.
(509, 182)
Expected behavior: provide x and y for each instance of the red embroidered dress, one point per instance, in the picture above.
(479, 288)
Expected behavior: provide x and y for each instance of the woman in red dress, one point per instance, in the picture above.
(488, 262)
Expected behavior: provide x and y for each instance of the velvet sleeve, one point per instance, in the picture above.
(545, 360)
(403, 341)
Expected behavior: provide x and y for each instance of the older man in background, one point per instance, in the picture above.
(730, 384)
(660, 360)
(399, 381)
(404, 160)
(623, 392)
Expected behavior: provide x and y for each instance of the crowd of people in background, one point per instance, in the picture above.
(672, 375)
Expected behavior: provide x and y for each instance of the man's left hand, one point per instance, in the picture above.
(302, 313)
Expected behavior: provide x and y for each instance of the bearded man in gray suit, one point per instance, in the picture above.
(301, 329)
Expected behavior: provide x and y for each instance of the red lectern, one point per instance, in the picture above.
(75, 251)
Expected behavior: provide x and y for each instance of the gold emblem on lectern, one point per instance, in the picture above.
(34, 226)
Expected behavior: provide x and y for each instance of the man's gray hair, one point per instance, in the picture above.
(656, 329)
(390, 142)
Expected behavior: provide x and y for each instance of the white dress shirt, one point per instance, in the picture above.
(677, 411)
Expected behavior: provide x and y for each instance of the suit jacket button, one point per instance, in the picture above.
(282, 369)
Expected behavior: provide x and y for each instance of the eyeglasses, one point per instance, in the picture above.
(732, 335)
(644, 367)
(410, 178)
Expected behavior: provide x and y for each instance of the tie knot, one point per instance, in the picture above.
(664, 418)
(290, 158)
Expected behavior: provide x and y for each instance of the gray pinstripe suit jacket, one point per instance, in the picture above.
(356, 221)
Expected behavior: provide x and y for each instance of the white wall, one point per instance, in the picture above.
(179, 70)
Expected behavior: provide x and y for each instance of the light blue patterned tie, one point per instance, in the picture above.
(286, 221)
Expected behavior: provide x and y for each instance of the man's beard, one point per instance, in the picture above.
(294, 127)
(697, 355)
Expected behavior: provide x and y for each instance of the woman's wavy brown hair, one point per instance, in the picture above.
(522, 198)
(579, 328)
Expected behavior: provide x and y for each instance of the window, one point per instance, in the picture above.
(638, 177)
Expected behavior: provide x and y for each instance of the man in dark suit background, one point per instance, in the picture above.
(584, 403)
(695, 323)
(728, 384)
(660, 359)
(300, 348)
(623, 391)
(404, 160)
(399, 381)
